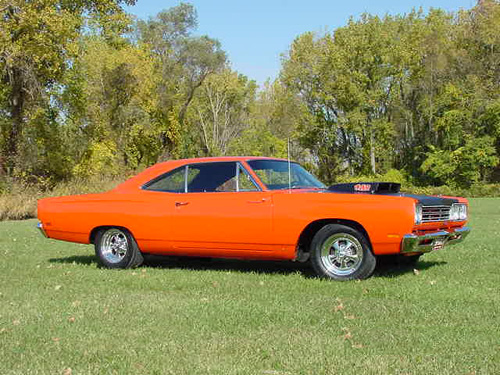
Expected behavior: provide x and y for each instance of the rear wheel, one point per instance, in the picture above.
(116, 248)
(340, 252)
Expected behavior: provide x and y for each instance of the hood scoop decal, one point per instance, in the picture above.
(367, 187)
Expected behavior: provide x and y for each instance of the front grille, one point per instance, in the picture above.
(435, 213)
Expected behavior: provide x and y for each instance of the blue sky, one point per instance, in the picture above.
(254, 33)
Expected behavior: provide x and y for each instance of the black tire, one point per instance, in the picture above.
(117, 248)
(350, 249)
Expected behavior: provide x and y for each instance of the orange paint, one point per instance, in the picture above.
(262, 224)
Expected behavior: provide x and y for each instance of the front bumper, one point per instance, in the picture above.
(424, 243)
(40, 227)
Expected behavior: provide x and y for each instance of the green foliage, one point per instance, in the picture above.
(490, 119)
(110, 99)
(37, 44)
(407, 92)
(100, 156)
(256, 141)
(465, 166)
(184, 60)
(85, 90)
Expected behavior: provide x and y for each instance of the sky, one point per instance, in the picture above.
(255, 33)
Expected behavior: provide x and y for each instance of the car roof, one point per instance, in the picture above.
(166, 166)
(223, 158)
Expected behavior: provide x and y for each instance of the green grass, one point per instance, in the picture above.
(59, 311)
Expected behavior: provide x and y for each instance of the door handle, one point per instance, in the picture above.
(177, 204)
(259, 201)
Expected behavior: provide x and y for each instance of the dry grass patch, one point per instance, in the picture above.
(20, 201)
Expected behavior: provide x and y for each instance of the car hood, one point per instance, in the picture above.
(424, 200)
(389, 189)
(427, 200)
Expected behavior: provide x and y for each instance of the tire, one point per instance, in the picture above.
(117, 248)
(339, 252)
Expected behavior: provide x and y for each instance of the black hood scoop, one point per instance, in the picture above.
(389, 188)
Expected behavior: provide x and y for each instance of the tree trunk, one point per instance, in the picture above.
(16, 114)
(189, 98)
(372, 151)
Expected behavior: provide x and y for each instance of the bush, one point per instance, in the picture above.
(436, 190)
(484, 190)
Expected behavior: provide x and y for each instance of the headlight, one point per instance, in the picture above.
(418, 214)
(458, 212)
(463, 212)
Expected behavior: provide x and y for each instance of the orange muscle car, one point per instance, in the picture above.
(254, 208)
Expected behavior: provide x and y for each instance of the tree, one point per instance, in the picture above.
(110, 105)
(185, 62)
(36, 44)
(221, 110)
(347, 81)
(273, 121)
(413, 92)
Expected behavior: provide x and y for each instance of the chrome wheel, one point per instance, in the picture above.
(341, 254)
(114, 245)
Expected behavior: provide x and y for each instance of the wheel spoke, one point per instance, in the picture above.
(349, 246)
(344, 263)
(336, 246)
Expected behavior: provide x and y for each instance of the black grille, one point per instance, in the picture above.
(435, 213)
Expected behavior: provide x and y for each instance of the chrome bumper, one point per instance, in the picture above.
(40, 227)
(424, 243)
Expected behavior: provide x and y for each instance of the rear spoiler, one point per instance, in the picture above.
(367, 187)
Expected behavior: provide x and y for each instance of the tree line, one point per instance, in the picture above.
(87, 89)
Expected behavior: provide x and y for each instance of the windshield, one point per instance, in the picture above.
(274, 174)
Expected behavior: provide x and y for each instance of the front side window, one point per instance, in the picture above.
(220, 177)
(276, 175)
(212, 177)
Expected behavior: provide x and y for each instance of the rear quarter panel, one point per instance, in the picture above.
(73, 218)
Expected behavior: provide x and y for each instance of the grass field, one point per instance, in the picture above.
(61, 314)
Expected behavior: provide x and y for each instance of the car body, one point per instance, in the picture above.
(253, 208)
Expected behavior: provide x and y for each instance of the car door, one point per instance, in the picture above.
(158, 196)
(223, 210)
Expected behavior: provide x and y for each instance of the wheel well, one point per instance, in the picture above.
(310, 230)
(94, 231)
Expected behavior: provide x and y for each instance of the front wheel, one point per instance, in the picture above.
(116, 248)
(340, 252)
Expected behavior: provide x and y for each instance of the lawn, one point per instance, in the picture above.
(61, 314)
